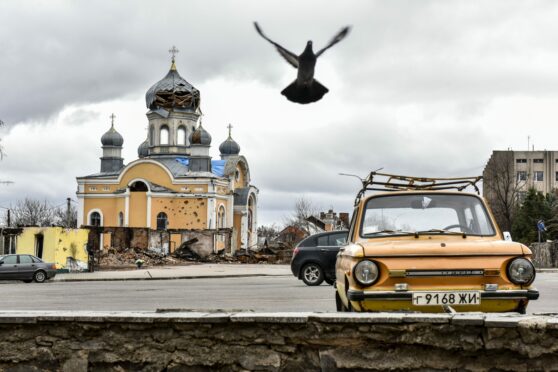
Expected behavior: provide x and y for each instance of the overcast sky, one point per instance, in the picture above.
(425, 88)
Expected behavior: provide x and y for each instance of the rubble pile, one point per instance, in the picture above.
(116, 259)
(112, 259)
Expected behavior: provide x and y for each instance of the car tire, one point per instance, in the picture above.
(339, 304)
(312, 274)
(329, 281)
(39, 276)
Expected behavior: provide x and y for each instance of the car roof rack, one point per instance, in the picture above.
(393, 182)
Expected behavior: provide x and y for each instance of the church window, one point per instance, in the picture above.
(221, 217)
(120, 219)
(164, 135)
(93, 188)
(237, 175)
(138, 186)
(95, 219)
(162, 221)
(181, 136)
(106, 188)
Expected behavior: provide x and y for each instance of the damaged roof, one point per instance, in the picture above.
(173, 91)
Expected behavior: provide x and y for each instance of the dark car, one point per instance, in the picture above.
(314, 257)
(25, 267)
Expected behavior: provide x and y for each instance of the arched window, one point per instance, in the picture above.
(181, 136)
(138, 186)
(95, 219)
(120, 219)
(164, 135)
(221, 217)
(162, 221)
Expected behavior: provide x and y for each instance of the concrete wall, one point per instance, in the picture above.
(58, 244)
(112, 341)
(545, 255)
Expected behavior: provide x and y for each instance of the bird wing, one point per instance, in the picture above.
(289, 56)
(340, 36)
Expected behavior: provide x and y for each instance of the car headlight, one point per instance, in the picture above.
(521, 271)
(366, 272)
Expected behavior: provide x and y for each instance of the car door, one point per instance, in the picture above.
(26, 267)
(334, 241)
(8, 268)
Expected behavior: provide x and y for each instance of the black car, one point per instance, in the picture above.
(25, 267)
(314, 257)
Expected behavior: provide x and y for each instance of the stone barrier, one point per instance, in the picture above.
(189, 341)
(545, 255)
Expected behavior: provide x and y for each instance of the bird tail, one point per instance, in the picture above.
(304, 93)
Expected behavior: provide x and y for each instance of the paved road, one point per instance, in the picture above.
(261, 294)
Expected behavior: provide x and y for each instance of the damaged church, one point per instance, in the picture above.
(174, 192)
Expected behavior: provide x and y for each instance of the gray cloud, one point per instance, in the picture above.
(425, 88)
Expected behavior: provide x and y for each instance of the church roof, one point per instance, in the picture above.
(177, 166)
(172, 91)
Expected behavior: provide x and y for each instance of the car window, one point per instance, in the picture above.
(406, 214)
(323, 240)
(338, 239)
(24, 259)
(10, 260)
(308, 242)
(35, 259)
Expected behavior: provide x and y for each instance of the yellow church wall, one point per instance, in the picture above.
(148, 171)
(237, 223)
(240, 181)
(181, 213)
(138, 209)
(108, 206)
(58, 244)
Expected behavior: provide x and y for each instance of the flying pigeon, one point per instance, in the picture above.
(305, 88)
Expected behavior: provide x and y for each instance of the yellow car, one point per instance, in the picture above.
(424, 244)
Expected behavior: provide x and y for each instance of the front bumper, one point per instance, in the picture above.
(522, 294)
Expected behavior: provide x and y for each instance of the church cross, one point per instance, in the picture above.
(173, 52)
(112, 116)
(230, 127)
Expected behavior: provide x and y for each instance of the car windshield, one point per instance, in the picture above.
(425, 214)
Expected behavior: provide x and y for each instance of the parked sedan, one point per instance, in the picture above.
(25, 267)
(314, 257)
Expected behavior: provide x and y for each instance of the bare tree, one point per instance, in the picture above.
(303, 209)
(30, 212)
(61, 217)
(502, 187)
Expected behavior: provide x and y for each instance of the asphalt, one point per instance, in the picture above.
(191, 272)
(179, 272)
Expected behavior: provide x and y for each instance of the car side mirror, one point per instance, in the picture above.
(507, 236)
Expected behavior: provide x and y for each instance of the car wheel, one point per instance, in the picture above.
(312, 274)
(329, 281)
(39, 276)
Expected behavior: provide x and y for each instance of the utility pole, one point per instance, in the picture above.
(68, 214)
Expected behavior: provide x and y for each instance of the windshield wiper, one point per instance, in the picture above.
(442, 231)
(390, 232)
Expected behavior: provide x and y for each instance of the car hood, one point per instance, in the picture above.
(443, 247)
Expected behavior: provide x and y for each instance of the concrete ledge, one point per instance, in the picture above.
(224, 341)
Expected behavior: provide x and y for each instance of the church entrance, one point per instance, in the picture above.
(138, 204)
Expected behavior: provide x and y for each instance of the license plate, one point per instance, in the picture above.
(446, 298)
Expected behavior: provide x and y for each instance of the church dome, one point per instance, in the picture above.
(112, 138)
(143, 149)
(172, 92)
(229, 147)
(200, 137)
